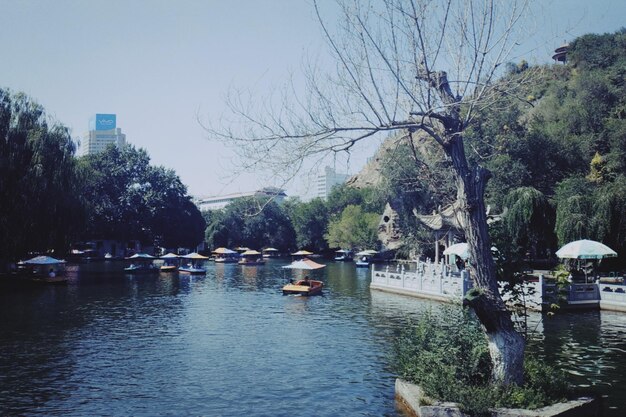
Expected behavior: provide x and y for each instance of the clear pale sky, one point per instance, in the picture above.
(159, 64)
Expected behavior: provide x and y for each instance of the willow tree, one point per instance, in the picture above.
(401, 65)
(41, 208)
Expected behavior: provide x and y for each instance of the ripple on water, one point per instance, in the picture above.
(231, 344)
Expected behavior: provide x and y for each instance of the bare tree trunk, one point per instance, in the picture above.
(506, 345)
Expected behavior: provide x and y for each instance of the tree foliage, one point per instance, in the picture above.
(252, 223)
(529, 215)
(565, 139)
(310, 222)
(128, 199)
(41, 207)
(355, 229)
(369, 198)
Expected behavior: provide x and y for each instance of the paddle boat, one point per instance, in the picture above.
(270, 253)
(141, 263)
(225, 256)
(365, 258)
(251, 258)
(44, 269)
(306, 286)
(170, 263)
(343, 255)
(194, 266)
(301, 254)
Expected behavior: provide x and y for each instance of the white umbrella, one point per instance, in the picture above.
(141, 256)
(302, 253)
(43, 260)
(585, 249)
(304, 264)
(459, 249)
(195, 256)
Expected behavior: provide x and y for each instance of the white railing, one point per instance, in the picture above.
(429, 279)
(442, 282)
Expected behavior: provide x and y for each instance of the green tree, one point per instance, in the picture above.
(41, 207)
(341, 196)
(310, 222)
(528, 222)
(250, 222)
(131, 200)
(574, 209)
(355, 229)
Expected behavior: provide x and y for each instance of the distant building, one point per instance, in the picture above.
(103, 131)
(327, 180)
(218, 202)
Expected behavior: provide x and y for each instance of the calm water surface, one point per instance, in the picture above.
(230, 344)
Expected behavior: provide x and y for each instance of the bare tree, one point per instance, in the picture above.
(389, 76)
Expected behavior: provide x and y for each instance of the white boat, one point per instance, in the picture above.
(44, 269)
(225, 256)
(251, 258)
(141, 263)
(270, 253)
(365, 258)
(194, 266)
(343, 255)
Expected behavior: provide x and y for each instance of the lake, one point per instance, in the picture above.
(230, 344)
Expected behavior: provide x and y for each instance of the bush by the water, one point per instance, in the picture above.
(446, 354)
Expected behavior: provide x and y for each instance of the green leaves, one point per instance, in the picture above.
(130, 199)
(250, 222)
(41, 206)
(355, 229)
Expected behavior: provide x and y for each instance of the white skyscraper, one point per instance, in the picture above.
(327, 180)
(102, 132)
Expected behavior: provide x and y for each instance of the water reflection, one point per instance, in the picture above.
(229, 343)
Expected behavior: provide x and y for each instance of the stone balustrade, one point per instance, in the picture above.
(439, 281)
(430, 280)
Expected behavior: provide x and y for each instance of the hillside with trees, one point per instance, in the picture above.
(559, 157)
(556, 150)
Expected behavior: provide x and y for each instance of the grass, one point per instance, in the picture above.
(447, 355)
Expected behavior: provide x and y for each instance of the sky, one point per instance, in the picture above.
(162, 65)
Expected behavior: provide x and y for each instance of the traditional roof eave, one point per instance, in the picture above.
(446, 219)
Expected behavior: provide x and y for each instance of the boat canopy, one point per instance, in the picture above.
(141, 256)
(342, 251)
(251, 252)
(304, 264)
(42, 260)
(368, 252)
(194, 255)
(169, 256)
(302, 253)
(270, 250)
(224, 251)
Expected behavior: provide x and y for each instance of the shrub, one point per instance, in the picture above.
(447, 355)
